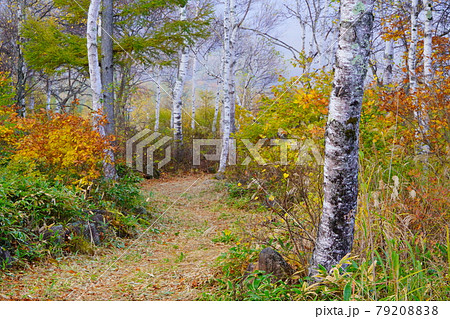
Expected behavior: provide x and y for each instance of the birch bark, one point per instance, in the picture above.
(94, 68)
(21, 64)
(412, 52)
(108, 66)
(388, 62)
(230, 9)
(179, 86)
(158, 99)
(217, 106)
(96, 84)
(193, 93)
(335, 232)
(428, 42)
(424, 120)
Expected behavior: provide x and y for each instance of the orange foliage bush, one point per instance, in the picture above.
(64, 145)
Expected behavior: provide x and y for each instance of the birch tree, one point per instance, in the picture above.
(388, 62)
(427, 70)
(193, 92)
(96, 83)
(107, 65)
(336, 228)
(94, 68)
(412, 52)
(217, 105)
(158, 99)
(21, 65)
(228, 45)
(231, 28)
(179, 86)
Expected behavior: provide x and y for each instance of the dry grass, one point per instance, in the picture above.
(168, 264)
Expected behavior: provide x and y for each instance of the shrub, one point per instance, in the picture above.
(63, 146)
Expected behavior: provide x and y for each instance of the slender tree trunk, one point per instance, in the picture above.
(217, 106)
(412, 53)
(179, 86)
(227, 85)
(428, 42)
(388, 62)
(96, 84)
(335, 233)
(21, 65)
(194, 88)
(121, 97)
(94, 68)
(219, 100)
(158, 99)
(194, 74)
(49, 95)
(108, 83)
(427, 72)
(32, 101)
(231, 81)
(108, 66)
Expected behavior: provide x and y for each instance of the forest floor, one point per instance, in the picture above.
(170, 261)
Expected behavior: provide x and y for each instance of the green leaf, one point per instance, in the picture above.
(347, 291)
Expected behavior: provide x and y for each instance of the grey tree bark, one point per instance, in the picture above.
(217, 105)
(107, 65)
(108, 83)
(96, 84)
(158, 99)
(21, 65)
(336, 228)
(193, 92)
(48, 92)
(388, 62)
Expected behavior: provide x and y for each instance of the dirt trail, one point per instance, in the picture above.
(169, 262)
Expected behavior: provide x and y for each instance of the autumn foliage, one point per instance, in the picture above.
(64, 146)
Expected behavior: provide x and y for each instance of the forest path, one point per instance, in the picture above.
(168, 262)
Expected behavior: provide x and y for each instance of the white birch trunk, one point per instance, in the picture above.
(231, 83)
(428, 42)
(427, 71)
(227, 85)
(336, 228)
(107, 70)
(179, 86)
(388, 62)
(96, 84)
(158, 100)
(92, 47)
(412, 52)
(194, 74)
(217, 106)
(193, 93)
